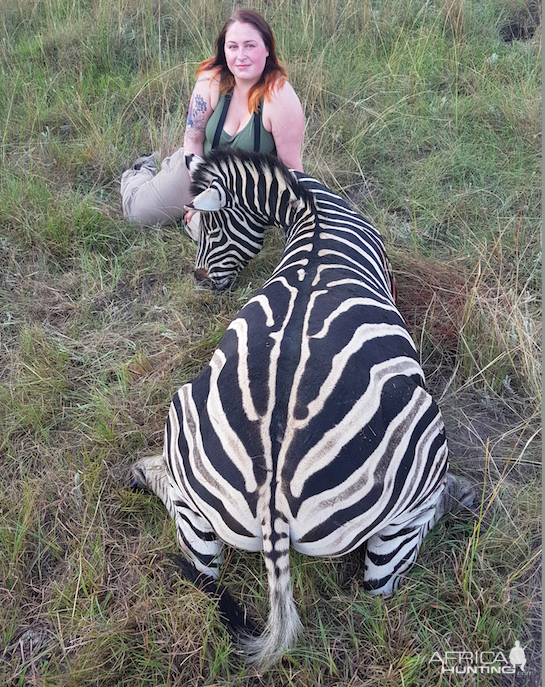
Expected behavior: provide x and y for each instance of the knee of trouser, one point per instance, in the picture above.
(134, 196)
(135, 211)
(139, 207)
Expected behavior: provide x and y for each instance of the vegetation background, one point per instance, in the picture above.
(426, 115)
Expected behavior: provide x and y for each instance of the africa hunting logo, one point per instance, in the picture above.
(481, 662)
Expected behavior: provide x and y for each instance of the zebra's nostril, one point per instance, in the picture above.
(207, 283)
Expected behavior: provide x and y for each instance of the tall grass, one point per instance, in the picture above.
(426, 116)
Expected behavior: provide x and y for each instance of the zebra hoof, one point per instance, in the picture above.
(137, 479)
(461, 492)
(467, 496)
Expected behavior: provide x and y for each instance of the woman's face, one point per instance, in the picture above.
(245, 52)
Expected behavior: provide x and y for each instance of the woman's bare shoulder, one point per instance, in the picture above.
(207, 86)
(282, 90)
(210, 78)
(283, 102)
(283, 117)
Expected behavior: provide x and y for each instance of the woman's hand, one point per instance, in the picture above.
(189, 215)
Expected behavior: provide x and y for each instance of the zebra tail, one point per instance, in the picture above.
(283, 626)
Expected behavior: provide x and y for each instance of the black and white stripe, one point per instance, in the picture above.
(311, 426)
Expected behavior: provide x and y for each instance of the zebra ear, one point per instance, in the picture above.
(192, 161)
(209, 201)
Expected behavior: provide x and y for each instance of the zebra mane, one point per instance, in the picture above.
(220, 160)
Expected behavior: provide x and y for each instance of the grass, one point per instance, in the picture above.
(427, 118)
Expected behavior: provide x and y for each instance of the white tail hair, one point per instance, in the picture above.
(283, 626)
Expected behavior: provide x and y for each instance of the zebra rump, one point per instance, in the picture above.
(311, 426)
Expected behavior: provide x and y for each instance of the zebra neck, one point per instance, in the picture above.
(304, 226)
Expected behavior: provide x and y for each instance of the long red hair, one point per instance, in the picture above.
(273, 74)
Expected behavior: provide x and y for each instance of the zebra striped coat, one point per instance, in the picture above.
(311, 426)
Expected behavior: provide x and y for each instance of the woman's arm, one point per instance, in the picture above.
(200, 111)
(283, 117)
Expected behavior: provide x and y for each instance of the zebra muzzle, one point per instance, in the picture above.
(207, 283)
(204, 283)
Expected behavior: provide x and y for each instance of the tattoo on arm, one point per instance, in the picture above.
(196, 116)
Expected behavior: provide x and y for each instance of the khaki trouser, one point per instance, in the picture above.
(150, 197)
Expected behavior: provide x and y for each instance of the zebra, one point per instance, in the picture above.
(311, 426)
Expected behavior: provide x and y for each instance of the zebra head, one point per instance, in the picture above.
(233, 190)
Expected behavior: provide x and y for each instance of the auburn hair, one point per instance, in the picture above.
(273, 74)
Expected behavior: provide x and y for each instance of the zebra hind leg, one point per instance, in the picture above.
(197, 540)
(236, 622)
(195, 536)
(457, 494)
(148, 474)
(390, 553)
(393, 550)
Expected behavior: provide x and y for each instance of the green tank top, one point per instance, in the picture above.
(243, 139)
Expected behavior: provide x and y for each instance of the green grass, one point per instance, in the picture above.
(428, 120)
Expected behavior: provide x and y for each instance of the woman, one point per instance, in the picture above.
(241, 99)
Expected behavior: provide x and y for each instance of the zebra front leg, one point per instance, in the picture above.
(393, 550)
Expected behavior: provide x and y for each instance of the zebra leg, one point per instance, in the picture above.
(201, 546)
(152, 469)
(393, 550)
(458, 493)
(236, 622)
(195, 536)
